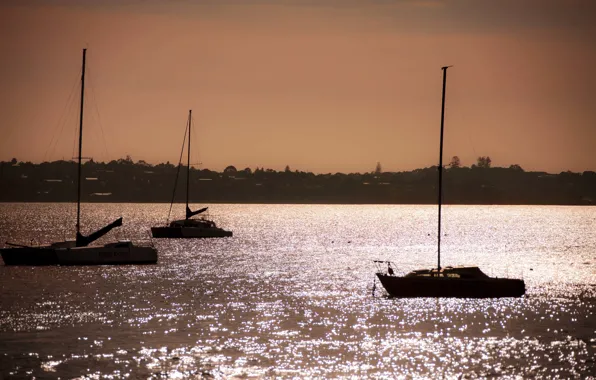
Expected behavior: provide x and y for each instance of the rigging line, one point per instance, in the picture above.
(192, 142)
(66, 117)
(91, 132)
(61, 120)
(74, 141)
(97, 112)
(472, 145)
(195, 142)
(467, 130)
(178, 171)
(196, 158)
(58, 123)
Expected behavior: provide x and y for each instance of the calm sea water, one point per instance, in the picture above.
(290, 296)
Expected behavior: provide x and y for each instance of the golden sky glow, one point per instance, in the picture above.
(323, 86)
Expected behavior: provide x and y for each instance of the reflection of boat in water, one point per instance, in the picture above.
(78, 252)
(460, 281)
(189, 228)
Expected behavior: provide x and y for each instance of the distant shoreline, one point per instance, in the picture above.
(310, 203)
(124, 181)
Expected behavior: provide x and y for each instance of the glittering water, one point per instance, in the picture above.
(290, 295)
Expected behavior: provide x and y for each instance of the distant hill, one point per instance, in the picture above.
(126, 181)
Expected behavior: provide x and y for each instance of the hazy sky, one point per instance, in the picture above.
(320, 85)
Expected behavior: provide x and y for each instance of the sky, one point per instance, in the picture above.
(322, 86)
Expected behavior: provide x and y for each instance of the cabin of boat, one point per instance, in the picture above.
(190, 228)
(465, 272)
(64, 244)
(460, 271)
(193, 223)
(120, 244)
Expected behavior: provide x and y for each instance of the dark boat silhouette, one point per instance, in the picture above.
(187, 227)
(459, 281)
(78, 251)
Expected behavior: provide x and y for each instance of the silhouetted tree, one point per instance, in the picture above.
(455, 162)
(378, 168)
(230, 169)
(483, 162)
(13, 161)
(287, 170)
(126, 161)
(516, 167)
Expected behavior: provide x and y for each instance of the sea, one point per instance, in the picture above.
(293, 295)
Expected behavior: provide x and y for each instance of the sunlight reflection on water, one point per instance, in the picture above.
(290, 296)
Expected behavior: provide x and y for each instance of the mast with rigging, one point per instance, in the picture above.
(460, 281)
(188, 162)
(81, 240)
(81, 144)
(441, 167)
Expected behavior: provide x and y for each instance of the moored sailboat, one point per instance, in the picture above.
(78, 251)
(460, 281)
(187, 227)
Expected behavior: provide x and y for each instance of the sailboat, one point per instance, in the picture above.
(78, 251)
(459, 281)
(187, 227)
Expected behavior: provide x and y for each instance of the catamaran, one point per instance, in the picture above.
(459, 281)
(187, 227)
(78, 251)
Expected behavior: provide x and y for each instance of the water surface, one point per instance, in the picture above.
(290, 295)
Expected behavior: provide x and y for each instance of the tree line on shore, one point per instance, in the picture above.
(126, 181)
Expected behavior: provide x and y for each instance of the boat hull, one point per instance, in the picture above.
(408, 287)
(79, 256)
(188, 233)
(107, 256)
(29, 256)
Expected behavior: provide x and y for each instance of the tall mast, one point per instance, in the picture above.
(81, 144)
(441, 166)
(188, 160)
